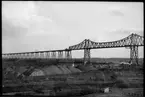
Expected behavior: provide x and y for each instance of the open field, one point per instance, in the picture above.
(57, 78)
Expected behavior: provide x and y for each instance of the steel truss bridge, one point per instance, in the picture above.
(132, 41)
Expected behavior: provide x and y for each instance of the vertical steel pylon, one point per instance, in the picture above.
(134, 55)
(87, 56)
(133, 50)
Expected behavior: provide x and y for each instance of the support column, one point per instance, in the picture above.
(60, 54)
(47, 55)
(9, 56)
(68, 54)
(3, 56)
(12, 56)
(44, 55)
(33, 55)
(41, 55)
(20, 56)
(87, 56)
(53, 55)
(28, 55)
(16, 55)
(37, 55)
(25, 56)
(134, 55)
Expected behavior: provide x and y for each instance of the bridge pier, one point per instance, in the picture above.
(32, 55)
(134, 55)
(37, 55)
(87, 56)
(41, 55)
(53, 55)
(47, 55)
(68, 54)
(60, 54)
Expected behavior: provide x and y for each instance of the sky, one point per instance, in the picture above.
(46, 25)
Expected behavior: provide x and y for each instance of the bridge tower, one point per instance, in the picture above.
(134, 55)
(87, 56)
(133, 49)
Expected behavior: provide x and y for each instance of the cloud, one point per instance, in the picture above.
(127, 31)
(16, 18)
(116, 11)
(21, 20)
(11, 31)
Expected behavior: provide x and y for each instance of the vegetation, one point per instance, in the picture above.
(86, 82)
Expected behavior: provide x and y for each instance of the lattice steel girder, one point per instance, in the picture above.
(134, 55)
(132, 39)
(87, 56)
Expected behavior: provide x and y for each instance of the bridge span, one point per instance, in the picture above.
(132, 41)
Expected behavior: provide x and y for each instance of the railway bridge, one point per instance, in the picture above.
(133, 41)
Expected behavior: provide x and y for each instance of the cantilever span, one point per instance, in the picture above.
(132, 41)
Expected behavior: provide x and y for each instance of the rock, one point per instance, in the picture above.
(106, 90)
